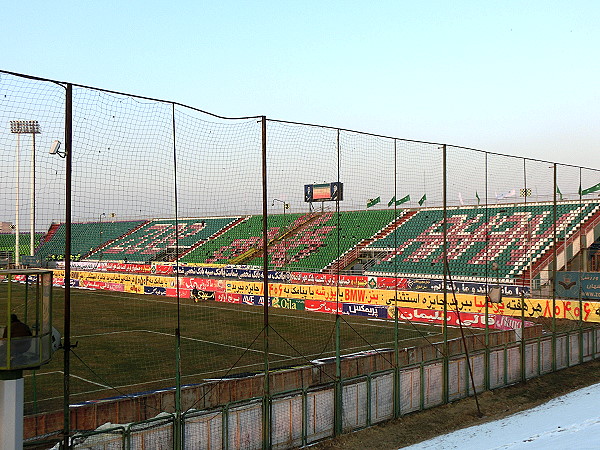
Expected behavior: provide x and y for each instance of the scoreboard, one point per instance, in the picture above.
(326, 192)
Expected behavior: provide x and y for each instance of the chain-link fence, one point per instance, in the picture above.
(166, 225)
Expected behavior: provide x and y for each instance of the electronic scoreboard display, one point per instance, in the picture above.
(326, 192)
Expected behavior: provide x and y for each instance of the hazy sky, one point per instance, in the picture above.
(515, 77)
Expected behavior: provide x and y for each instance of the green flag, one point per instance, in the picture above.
(423, 200)
(477, 197)
(373, 201)
(558, 191)
(589, 190)
(403, 200)
(391, 202)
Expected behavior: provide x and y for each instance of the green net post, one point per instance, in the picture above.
(446, 372)
(178, 441)
(554, 237)
(266, 419)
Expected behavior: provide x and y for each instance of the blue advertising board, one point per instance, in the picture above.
(570, 284)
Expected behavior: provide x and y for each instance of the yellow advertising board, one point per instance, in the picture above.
(564, 309)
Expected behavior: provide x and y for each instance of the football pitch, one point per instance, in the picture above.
(126, 343)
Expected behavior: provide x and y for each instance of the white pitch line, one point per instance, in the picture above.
(90, 381)
(183, 337)
(74, 376)
(39, 374)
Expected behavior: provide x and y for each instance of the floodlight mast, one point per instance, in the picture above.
(19, 127)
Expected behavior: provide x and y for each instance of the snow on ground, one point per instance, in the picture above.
(568, 422)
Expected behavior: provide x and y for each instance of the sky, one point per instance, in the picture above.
(567, 422)
(512, 77)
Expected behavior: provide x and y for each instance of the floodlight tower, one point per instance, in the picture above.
(20, 127)
(27, 341)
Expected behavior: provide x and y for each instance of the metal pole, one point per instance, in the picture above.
(338, 411)
(554, 276)
(445, 273)
(523, 346)
(285, 206)
(592, 337)
(266, 421)
(32, 210)
(178, 422)
(17, 229)
(487, 289)
(67, 282)
(396, 334)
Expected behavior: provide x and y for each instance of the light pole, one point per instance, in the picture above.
(100, 220)
(20, 127)
(285, 206)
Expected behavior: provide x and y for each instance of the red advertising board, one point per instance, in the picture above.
(322, 306)
(228, 297)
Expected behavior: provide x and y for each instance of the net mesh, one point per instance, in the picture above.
(416, 245)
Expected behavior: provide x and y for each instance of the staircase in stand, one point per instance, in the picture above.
(352, 255)
(294, 228)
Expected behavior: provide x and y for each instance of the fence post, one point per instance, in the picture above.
(396, 389)
(67, 283)
(266, 413)
(579, 293)
(554, 274)
(523, 360)
(445, 367)
(177, 434)
(486, 362)
(338, 391)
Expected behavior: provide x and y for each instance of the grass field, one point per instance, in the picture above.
(126, 342)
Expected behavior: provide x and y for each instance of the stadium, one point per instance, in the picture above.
(257, 283)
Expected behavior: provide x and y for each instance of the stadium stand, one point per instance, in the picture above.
(8, 244)
(155, 240)
(311, 241)
(517, 237)
(245, 236)
(514, 236)
(85, 237)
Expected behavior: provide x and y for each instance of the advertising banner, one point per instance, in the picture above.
(380, 312)
(322, 306)
(117, 287)
(390, 283)
(228, 298)
(60, 281)
(573, 284)
(468, 319)
(204, 284)
(200, 296)
(287, 303)
(134, 288)
(244, 287)
(328, 279)
(127, 267)
(162, 269)
(256, 300)
(154, 290)
(322, 297)
(92, 284)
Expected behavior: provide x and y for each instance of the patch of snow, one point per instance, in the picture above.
(571, 421)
